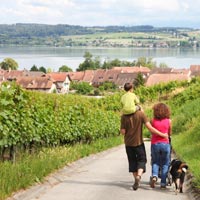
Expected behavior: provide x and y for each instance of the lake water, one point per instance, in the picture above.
(55, 57)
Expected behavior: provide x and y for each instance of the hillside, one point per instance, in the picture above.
(186, 128)
(44, 30)
(64, 128)
(108, 36)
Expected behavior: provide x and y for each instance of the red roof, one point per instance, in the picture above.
(111, 75)
(195, 68)
(181, 71)
(13, 74)
(58, 76)
(125, 78)
(99, 76)
(35, 82)
(76, 76)
(88, 75)
(165, 78)
(133, 69)
(2, 72)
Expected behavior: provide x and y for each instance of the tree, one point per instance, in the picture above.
(84, 88)
(65, 68)
(9, 63)
(106, 65)
(49, 70)
(42, 69)
(89, 63)
(163, 65)
(34, 68)
(116, 63)
(145, 62)
(107, 86)
(97, 62)
(139, 80)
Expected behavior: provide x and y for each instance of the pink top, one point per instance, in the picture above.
(163, 126)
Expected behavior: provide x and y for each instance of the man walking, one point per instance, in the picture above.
(131, 128)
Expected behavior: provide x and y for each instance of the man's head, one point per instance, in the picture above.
(128, 87)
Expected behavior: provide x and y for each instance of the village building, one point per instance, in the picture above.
(89, 76)
(62, 81)
(134, 69)
(44, 84)
(98, 78)
(1, 76)
(165, 78)
(159, 70)
(129, 74)
(76, 76)
(165, 75)
(125, 78)
(111, 75)
(14, 74)
(195, 70)
(115, 75)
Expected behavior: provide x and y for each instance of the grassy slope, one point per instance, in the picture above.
(123, 37)
(186, 138)
(186, 128)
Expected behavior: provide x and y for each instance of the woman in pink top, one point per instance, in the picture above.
(160, 147)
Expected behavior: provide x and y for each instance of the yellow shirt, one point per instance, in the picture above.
(129, 102)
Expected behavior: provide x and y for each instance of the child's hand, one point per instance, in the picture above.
(122, 131)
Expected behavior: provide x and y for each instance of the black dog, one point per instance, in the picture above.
(177, 171)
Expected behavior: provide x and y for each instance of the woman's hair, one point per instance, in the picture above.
(161, 111)
(128, 86)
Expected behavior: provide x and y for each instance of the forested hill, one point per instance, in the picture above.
(44, 30)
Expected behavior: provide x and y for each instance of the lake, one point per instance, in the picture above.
(55, 57)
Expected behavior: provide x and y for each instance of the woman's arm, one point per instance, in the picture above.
(153, 130)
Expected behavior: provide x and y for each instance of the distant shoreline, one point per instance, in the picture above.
(55, 57)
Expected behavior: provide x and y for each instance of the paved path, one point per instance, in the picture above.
(99, 177)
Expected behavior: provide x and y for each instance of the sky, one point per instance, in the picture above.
(159, 13)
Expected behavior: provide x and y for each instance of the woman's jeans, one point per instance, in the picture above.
(160, 153)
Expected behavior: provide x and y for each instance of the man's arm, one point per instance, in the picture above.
(153, 130)
(122, 126)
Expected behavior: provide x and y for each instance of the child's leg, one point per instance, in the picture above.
(138, 107)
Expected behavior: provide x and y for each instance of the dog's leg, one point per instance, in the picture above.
(177, 185)
(182, 181)
(181, 189)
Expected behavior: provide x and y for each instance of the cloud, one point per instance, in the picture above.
(159, 5)
(101, 12)
(47, 3)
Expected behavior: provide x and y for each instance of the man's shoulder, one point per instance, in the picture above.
(141, 115)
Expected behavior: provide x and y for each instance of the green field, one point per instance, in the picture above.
(109, 36)
(127, 39)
